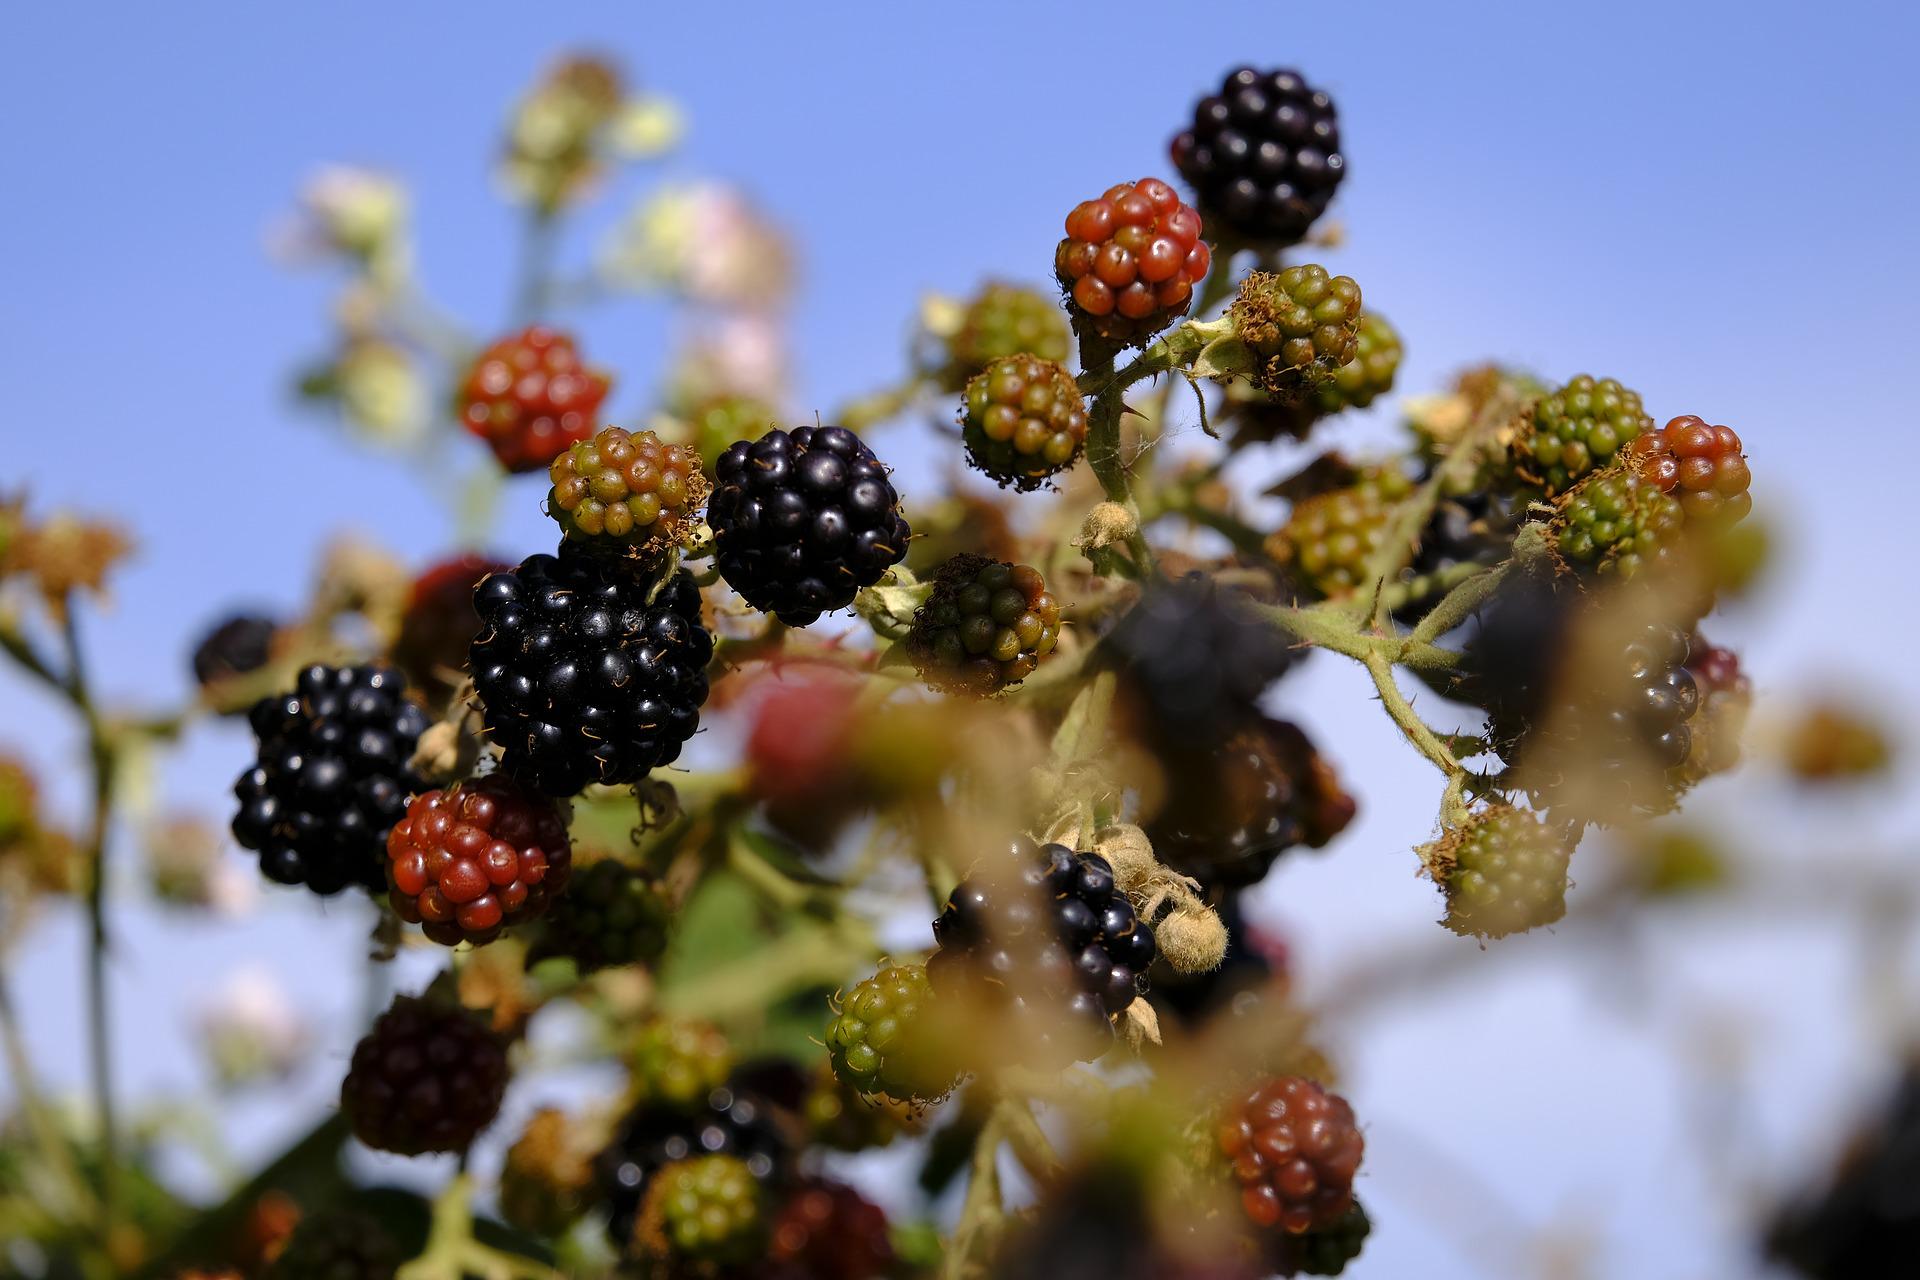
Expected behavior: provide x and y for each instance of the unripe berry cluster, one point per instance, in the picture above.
(1301, 325)
(987, 625)
(627, 490)
(1023, 420)
(476, 857)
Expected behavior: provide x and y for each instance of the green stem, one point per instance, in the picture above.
(981, 1211)
(45, 1131)
(536, 266)
(453, 1254)
(1424, 739)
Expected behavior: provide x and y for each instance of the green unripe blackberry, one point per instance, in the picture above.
(1329, 538)
(1259, 415)
(709, 1209)
(1003, 320)
(1617, 524)
(1576, 430)
(680, 1062)
(1369, 374)
(879, 1040)
(614, 915)
(1023, 419)
(1505, 872)
(627, 490)
(987, 625)
(1300, 324)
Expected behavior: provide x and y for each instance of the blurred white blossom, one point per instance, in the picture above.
(358, 213)
(188, 866)
(705, 240)
(250, 1031)
(743, 354)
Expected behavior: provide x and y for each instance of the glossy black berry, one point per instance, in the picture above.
(331, 777)
(1049, 940)
(241, 644)
(802, 520)
(1194, 660)
(1262, 155)
(731, 1121)
(583, 678)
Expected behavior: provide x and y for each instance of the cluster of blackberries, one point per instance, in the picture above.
(331, 778)
(1048, 940)
(587, 673)
(802, 520)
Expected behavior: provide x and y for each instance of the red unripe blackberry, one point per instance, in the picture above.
(1130, 261)
(1023, 419)
(627, 490)
(439, 624)
(1330, 538)
(426, 1078)
(238, 645)
(802, 520)
(1050, 941)
(587, 671)
(1301, 325)
(826, 1230)
(1263, 155)
(987, 625)
(612, 915)
(337, 1245)
(529, 396)
(1504, 873)
(331, 778)
(1294, 1148)
(729, 1121)
(1004, 320)
(1232, 811)
(480, 855)
(1576, 430)
(703, 1211)
(1617, 524)
(1701, 465)
(882, 1041)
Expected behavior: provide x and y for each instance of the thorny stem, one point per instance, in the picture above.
(1402, 713)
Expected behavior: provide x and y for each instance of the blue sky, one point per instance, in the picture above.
(1710, 201)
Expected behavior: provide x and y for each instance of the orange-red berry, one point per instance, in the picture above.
(1130, 260)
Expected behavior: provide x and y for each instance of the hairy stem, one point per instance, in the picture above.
(1402, 713)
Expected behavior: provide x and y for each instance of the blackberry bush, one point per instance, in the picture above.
(802, 520)
(1263, 155)
(1052, 946)
(331, 778)
(1023, 420)
(986, 625)
(587, 672)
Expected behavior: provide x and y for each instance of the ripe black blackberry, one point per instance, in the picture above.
(1263, 155)
(587, 672)
(1324, 1251)
(1231, 811)
(802, 520)
(731, 1121)
(427, 1077)
(1588, 704)
(238, 645)
(1048, 939)
(1194, 660)
(331, 777)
